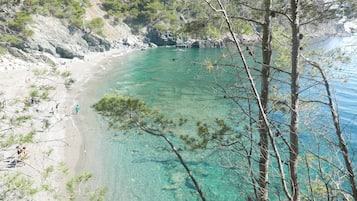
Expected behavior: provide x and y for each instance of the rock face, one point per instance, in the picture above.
(65, 51)
(95, 43)
(51, 36)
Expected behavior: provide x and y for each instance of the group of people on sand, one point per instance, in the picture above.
(21, 151)
(76, 108)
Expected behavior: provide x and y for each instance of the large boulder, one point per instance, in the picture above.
(19, 54)
(67, 52)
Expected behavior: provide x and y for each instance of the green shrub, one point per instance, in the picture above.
(3, 50)
(20, 21)
(213, 32)
(96, 25)
(34, 93)
(45, 95)
(141, 13)
(28, 33)
(48, 171)
(66, 74)
(64, 9)
(39, 72)
(28, 138)
(8, 38)
(161, 27)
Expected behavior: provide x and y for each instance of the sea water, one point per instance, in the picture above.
(179, 83)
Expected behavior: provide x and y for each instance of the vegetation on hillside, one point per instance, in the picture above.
(184, 17)
(70, 9)
(15, 29)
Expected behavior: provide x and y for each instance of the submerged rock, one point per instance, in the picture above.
(177, 180)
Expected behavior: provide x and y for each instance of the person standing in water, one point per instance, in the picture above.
(77, 108)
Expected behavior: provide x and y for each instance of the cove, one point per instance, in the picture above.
(174, 81)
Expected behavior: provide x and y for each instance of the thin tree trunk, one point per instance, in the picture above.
(256, 96)
(264, 95)
(342, 142)
(294, 117)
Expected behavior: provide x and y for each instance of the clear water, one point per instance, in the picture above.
(141, 167)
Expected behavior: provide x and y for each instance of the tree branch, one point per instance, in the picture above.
(256, 94)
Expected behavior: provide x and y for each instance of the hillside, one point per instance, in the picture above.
(33, 33)
(73, 28)
(69, 31)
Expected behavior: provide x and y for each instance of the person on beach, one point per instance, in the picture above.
(19, 150)
(77, 108)
(24, 152)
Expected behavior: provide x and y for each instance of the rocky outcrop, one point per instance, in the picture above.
(19, 54)
(65, 51)
(167, 38)
(51, 35)
(96, 44)
(161, 38)
(208, 44)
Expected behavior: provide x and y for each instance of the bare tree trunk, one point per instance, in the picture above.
(294, 117)
(264, 95)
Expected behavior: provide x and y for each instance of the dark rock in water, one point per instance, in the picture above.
(161, 38)
(207, 44)
(185, 42)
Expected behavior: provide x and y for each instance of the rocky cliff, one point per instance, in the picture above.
(58, 37)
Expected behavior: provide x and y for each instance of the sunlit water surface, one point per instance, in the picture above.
(141, 168)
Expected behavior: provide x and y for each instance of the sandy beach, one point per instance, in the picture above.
(38, 110)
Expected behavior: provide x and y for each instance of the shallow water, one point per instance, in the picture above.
(141, 167)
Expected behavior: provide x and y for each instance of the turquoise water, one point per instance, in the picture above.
(141, 167)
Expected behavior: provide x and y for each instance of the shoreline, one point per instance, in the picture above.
(94, 64)
(55, 146)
